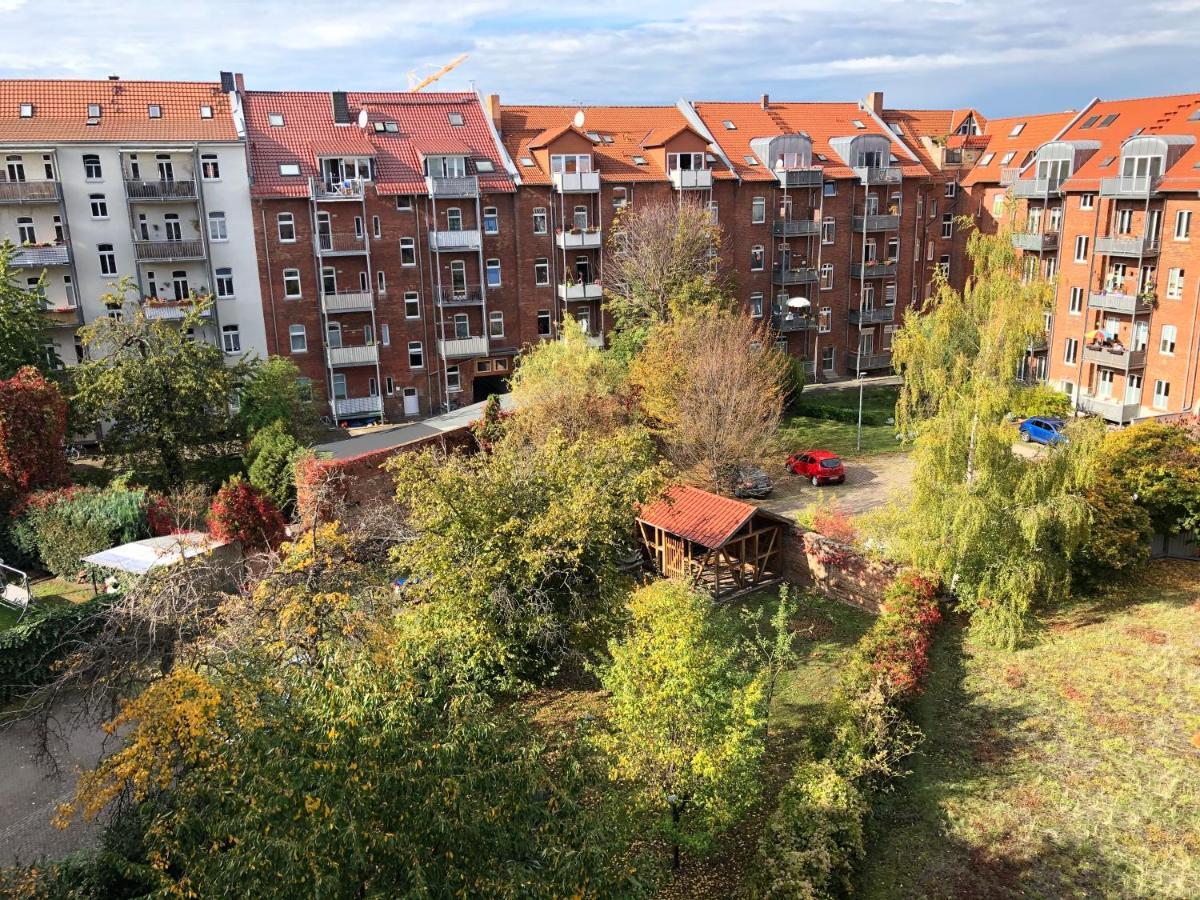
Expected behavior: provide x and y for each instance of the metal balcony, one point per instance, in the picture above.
(1036, 187)
(460, 186)
(40, 257)
(796, 178)
(172, 310)
(357, 301)
(160, 190)
(449, 296)
(61, 315)
(873, 270)
(340, 244)
(579, 291)
(1035, 243)
(691, 179)
(455, 241)
(878, 174)
(877, 222)
(785, 323)
(456, 348)
(167, 251)
(864, 361)
(875, 316)
(1127, 246)
(367, 355)
(795, 228)
(330, 189)
(349, 407)
(1008, 175)
(30, 192)
(1131, 187)
(587, 239)
(1111, 359)
(1107, 408)
(1114, 301)
(576, 182)
(794, 276)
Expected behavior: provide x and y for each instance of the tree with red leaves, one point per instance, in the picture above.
(33, 426)
(241, 512)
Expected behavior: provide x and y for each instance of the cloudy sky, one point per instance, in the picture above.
(1006, 57)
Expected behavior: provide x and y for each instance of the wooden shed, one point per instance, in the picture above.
(724, 545)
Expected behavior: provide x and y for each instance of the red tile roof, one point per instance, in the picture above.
(422, 122)
(820, 121)
(1001, 142)
(697, 515)
(60, 111)
(633, 129)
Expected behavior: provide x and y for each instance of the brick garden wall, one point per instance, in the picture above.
(836, 570)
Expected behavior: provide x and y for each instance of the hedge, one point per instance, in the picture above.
(839, 414)
(60, 527)
(30, 649)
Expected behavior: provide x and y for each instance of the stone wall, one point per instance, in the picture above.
(836, 570)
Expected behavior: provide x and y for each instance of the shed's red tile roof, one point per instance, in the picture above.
(633, 129)
(697, 515)
(422, 122)
(1001, 142)
(820, 121)
(60, 110)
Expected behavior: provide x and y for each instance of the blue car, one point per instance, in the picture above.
(1043, 431)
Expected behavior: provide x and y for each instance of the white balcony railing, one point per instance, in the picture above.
(580, 291)
(460, 186)
(348, 302)
(465, 239)
(587, 239)
(878, 174)
(455, 348)
(576, 182)
(1108, 408)
(367, 355)
(37, 257)
(691, 179)
(1127, 246)
(1114, 301)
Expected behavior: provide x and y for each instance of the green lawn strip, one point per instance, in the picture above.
(804, 432)
(1064, 769)
(47, 592)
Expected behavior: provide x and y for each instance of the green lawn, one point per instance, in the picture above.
(801, 432)
(48, 592)
(1069, 768)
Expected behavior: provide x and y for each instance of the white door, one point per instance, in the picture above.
(412, 403)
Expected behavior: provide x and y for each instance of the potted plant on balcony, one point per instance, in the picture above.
(893, 210)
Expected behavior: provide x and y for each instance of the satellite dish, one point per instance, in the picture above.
(798, 303)
(579, 119)
(362, 118)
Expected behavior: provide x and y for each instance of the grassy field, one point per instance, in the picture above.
(1069, 768)
(48, 592)
(802, 432)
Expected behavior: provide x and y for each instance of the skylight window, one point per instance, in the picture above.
(527, 162)
(750, 160)
(455, 118)
(1090, 121)
(729, 126)
(594, 135)
(858, 123)
(289, 168)
(1108, 120)
(484, 165)
(1108, 161)
(154, 111)
(1195, 116)
(607, 138)
(379, 127)
(26, 110)
(1017, 129)
(895, 126)
(275, 120)
(206, 112)
(822, 157)
(986, 158)
(639, 160)
(1007, 157)
(93, 110)
(391, 127)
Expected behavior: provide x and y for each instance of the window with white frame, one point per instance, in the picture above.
(462, 326)
(285, 224)
(408, 251)
(1183, 224)
(231, 339)
(376, 227)
(381, 281)
(620, 197)
(416, 355)
(1075, 304)
(828, 230)
(997, 205)
(951, 189)
(1070, 350)
(1087, 201)
(298, 338)
(412, 305)
(453, 380)
(210, 167)
(571, 162)
(685, 161)
(539, 220)
(756, 305)
(825, 320)
(829, 188)
(108, 259)
(1162, 394)
(99, 206)
(1081, 248)
(389, 385)
(224, 277)
(217, 228)
(493, 273)
(758, 210)
(91, 167)
(496, 324)
(491, 220)
(944, 265)
(948, 225)
(758, 256)
(404, 203)
(1175, 283)
(1124, 221)
(889, 294)
(826, 276)
(454, 219)
(385, 334)
(291, 283)
(1166, 341)
(541, 271)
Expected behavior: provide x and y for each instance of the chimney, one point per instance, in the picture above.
(239, 82)
(227, 83)
(114, 77)
(875, 102)
(766, 101)
(493, 109)
(341, 108)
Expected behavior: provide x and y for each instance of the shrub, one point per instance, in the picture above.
(30, 649)
(33, 426)
(184, 508)
(1040, 400)
(1118, 539)
(834, 524)
(59, 527)
(241, 512)
(814, 837)
(838, 413)
(1158, 464)
(269, 460)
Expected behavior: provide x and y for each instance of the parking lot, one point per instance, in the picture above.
(870, 482)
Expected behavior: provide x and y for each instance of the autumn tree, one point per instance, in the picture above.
(998, 528)
(662, 258)
(24, 331)
(712, 386)
(160, 394)
(33, 426)
(1158, 463)
(685, 720)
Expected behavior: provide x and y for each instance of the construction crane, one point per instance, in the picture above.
(415, 85)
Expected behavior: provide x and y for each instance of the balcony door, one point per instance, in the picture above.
(462, 326)
(868, 298)
(583, 270)
(1154, 226)
(580, 220)
(179, 284)
(328, 280)
(171, 227)
(1141, 335)
(166, 168)
(339, 386)
(16, 168)
(458, 278)
(334, 333)
(1035, 220)
(1133, 389)
(866, 343)
(871, 205)
(324, 231)
(1105, 389)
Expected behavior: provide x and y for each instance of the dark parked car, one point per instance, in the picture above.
(752, 483)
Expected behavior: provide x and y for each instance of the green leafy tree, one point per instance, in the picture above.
(269, 460)
(160, 394)
(24, 331)
(521, 549)
(998, 528)
(685, 719)
(274, 392)
(771, 645)
(1159, 464)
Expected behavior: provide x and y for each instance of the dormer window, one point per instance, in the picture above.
(446, 166)
(455, 119)
(206, 112)
(26, 110)
(275, 120)
(154, 111)
(93, 110)
(571, 162)
(685, 161)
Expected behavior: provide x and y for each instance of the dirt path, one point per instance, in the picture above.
(870, 482)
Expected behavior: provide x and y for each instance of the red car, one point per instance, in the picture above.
(818, 466)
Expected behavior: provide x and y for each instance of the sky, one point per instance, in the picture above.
(1004, 57)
